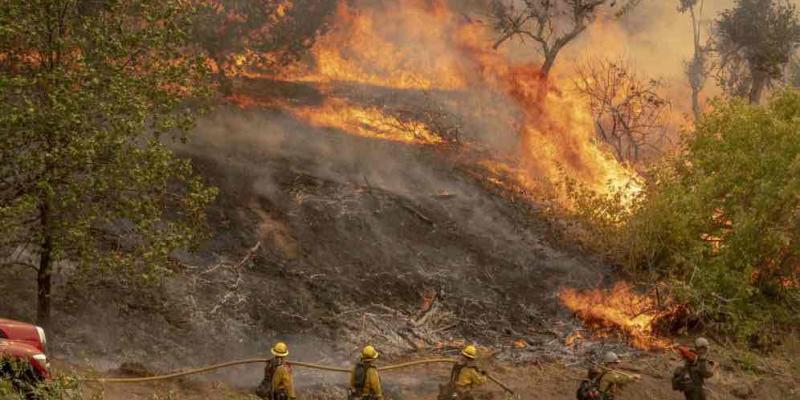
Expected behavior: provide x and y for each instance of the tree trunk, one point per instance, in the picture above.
(697, 71)
(759, 81)
(696, 103)
(45, 270)
(225, 83)
(544, 77)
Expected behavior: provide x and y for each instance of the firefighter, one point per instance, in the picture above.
(466, 375)
(278, 383)
(699, 369)
(365, 384)
(589, 388)
(611, 381)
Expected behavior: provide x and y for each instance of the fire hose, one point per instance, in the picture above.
(293, 363)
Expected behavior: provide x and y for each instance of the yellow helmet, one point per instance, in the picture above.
(369, 353)
(280, 349)
(470, 352)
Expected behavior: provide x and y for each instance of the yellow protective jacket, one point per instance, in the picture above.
(613, 381)
(469, 377)
(282, 380)
(372, 382)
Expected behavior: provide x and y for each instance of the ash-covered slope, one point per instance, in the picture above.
(330, 240)
(360, 237)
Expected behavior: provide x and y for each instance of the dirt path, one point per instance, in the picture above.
(553, 381)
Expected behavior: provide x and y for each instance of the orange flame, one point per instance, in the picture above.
(573, 339)
(359, 50)
(420, 45)
(366, 121)
(617, 310)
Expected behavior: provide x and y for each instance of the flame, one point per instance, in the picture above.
(248, 102)
(573, 339)
(617, 310)
(419, 45)
(359, 50)
(451, 344)
(366, 122)
(520, 343)
(557, 133)
(428, 299)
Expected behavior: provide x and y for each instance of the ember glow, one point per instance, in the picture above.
(619, 310)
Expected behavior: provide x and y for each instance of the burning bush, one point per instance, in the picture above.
(720, 221)
(619, 310)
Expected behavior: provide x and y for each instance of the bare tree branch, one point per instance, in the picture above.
(552, 24)
(628, 110)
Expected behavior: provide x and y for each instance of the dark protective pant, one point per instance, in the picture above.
(695, 394)
(270, 395)
(448, 392)
(353, 394)
(265, 392)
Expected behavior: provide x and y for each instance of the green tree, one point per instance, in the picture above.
(755, 40)
(89, 92)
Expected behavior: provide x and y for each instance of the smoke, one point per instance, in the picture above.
(261, 144)
(654, 38)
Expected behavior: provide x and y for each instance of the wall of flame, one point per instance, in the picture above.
(425, 46)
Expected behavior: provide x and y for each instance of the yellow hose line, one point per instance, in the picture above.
(418, 362)
(177, 374)
(293, 363)
(317, 366)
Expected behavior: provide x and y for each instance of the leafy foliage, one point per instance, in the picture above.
(721, 220)
(88, 92)
(60, 387)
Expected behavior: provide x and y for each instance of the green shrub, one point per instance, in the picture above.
(720, 220)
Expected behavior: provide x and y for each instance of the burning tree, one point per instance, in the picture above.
(551, 24)
(755, 40)
(628, 111)
(270, 32)
(721, 220)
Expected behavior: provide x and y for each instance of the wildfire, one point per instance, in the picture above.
(618, 310)
(423, 45)
(366, 122)
(362, 49)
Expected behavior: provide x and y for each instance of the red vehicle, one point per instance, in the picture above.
(23, 332)
(25, 344)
